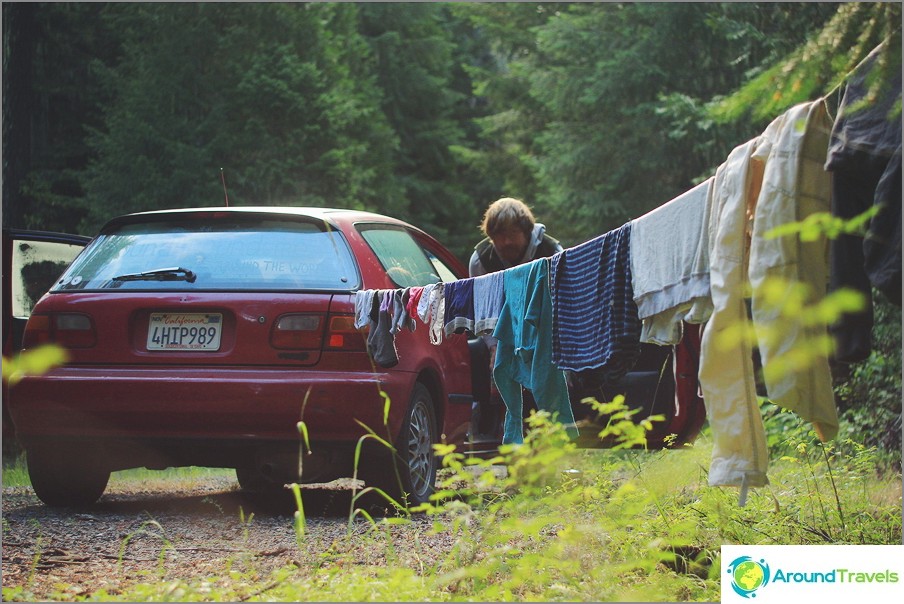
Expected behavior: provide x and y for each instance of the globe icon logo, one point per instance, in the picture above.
(748, 575)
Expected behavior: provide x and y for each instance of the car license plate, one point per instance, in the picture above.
(185, 331)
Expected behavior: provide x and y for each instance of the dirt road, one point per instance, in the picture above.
(195, 531)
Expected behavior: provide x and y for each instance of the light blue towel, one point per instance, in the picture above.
(488, 298)
(524, 351)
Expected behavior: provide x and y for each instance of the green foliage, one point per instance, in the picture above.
(593, 113)
(821, 63)
(792, 309)
(599, 115)
(422, 93)
(33, 362)
(823, 224)
(544, 521)
(870, 396)
(49, 98)
(621, 429)
(15, 473)
(292, 116)
(425, 111)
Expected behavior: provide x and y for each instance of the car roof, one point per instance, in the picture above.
(332, 215)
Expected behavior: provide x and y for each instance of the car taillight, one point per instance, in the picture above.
(297, 332)
(70, 330)
(342, 334)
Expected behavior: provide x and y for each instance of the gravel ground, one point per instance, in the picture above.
(141, 534)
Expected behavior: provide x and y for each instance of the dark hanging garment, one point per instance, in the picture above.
(690, 408)
(864, 157)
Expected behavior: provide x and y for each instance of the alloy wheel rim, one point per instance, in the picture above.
(420, 449)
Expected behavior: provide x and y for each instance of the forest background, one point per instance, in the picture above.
(593, 113)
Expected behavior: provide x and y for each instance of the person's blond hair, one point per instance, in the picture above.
(506, 213)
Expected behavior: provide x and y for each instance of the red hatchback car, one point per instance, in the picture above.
(225, 337)
(207, 336)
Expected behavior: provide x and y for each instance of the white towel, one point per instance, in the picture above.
(670, 263)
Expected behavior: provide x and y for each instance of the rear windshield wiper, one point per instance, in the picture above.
(160, 274)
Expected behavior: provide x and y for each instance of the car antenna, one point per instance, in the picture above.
(223, 178)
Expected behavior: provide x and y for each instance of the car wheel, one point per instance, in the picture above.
(418, 463)
(252, 481)
(263, 494)
(415, 460)
(63, 478)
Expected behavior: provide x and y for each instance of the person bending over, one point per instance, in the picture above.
(513, 237)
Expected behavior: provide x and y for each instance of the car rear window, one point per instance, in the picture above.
(233, 254)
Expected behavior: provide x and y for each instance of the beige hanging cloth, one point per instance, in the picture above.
(739, 456)
(772, 180)
(795, 185)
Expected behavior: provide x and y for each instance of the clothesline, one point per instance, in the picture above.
(856, 69)
(688, 261)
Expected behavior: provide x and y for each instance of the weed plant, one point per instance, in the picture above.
(566, 524)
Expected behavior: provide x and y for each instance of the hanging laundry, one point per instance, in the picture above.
(384, 312)
(380, 340)
(458, 315)
(414, 298)
(424, 310)
(364, 302)
(739, 456)
(431, 311)
(399, 312)
(772, 180)
(595, 322)
(670, 266)
(524, 351)
(864, 158)
(488, 298)
(795, 185)
(690, 408)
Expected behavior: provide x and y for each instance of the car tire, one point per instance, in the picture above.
(66, 478)
(414, 478)
(251, 481)
(418, 462)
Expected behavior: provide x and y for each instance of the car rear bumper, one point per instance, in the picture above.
(191, 403)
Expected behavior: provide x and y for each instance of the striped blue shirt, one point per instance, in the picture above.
(595, 321)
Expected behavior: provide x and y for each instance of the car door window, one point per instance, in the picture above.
(404, 260)
(441, 268)
(36, 265)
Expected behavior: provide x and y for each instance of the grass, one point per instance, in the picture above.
(580, 525)
(15, 474)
